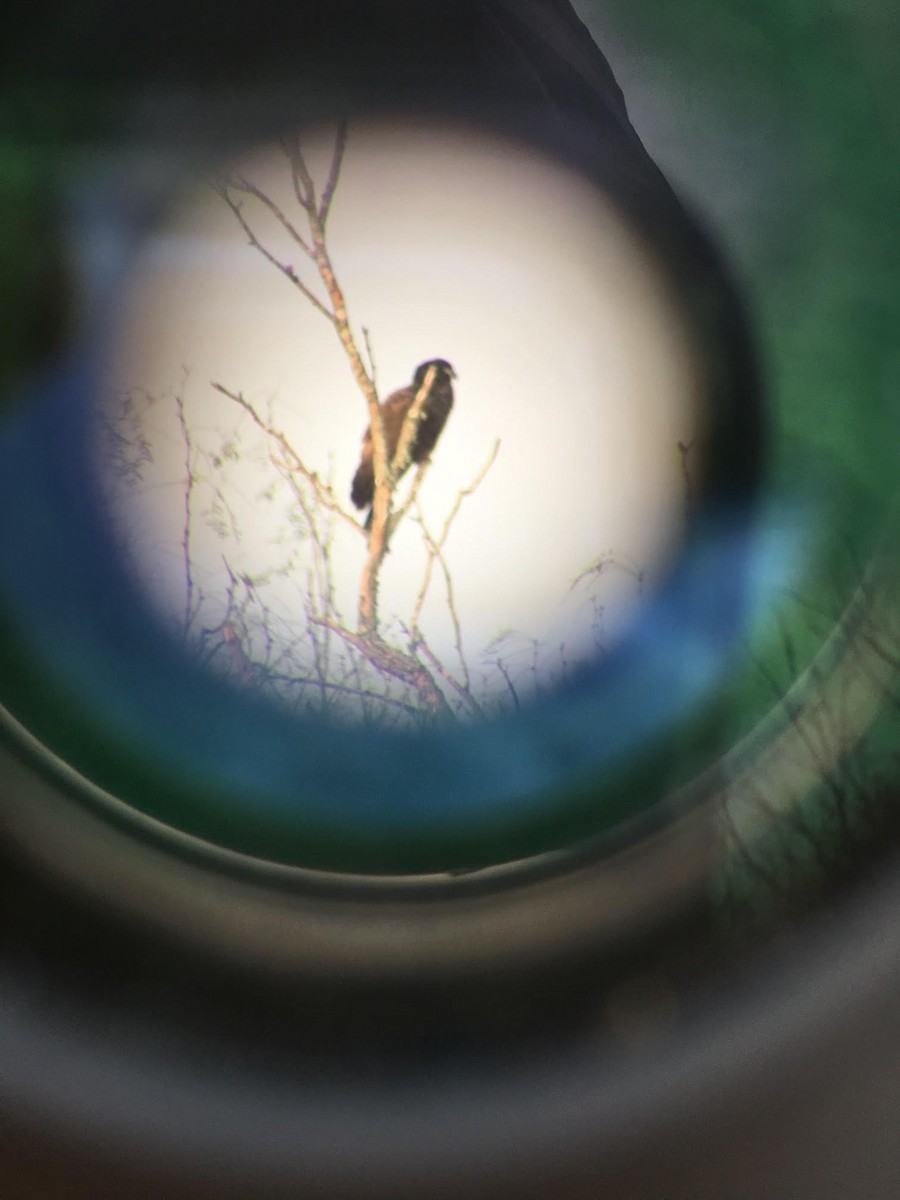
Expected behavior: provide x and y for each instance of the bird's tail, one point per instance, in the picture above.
(363, 484)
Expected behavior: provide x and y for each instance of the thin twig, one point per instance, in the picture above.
(501, 667)
(410, 428)
(304, 188)
(237, 183)
(285, 268)
(340, 688)
(395, 663)
(340, 145)
(462, 689)
(188, 497)
(610, 560)
(435, 546)
(370, 354)
(324, 491)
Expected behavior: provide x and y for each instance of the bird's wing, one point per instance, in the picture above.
(393, 413)
(398, 402)
(393, 410)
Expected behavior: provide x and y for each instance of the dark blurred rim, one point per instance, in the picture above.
(295, 921)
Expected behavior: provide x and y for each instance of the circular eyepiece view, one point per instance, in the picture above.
(411, 460)
(539, 397)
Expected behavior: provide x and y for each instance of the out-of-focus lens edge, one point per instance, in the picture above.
(287, 918)
(264, 913)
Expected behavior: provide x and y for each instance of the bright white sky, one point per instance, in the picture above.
(447, 245)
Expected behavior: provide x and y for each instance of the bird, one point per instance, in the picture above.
(432, 418)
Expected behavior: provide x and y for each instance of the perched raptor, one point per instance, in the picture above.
(432, 417)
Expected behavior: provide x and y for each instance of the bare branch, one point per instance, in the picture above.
(462, 689)
(340, 145)
(304, 188)
(188, 499)
(434, 546)
(343, 689)
(410, 428)
(316, 214)
(396, 664)
(410, 499)
(373, 372)
(311, 492)
(237, 183)
(603, 563)
(386, 475)
(502, 668)
(285, 268)
(324, 491)
(239, 658)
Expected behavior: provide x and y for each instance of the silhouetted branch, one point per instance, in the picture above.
(324, 492)
(603, 564)
(237, 183)
(340, 146)
(188, 497)
(370, 354)
(285, 268)
(394, 663)
(435, 546)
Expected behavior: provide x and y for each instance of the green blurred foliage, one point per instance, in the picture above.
(797, 105)
(818, 253)
(43, 132)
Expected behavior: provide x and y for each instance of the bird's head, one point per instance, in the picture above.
(443, 371)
